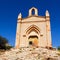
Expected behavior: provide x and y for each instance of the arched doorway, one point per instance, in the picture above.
(33, 40)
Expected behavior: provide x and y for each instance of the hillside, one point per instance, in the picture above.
(30, 54)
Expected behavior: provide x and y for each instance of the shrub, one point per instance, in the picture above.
(58, 48)
(4, 43)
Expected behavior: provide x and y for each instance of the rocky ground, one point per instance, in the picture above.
(30, 54)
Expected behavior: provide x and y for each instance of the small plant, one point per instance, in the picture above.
(58, 54)
(33, 48)
(8, 47)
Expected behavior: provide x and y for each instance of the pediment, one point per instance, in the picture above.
(33, 18)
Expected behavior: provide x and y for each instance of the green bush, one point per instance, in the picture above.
(4, 43)
(59, 48)
(8, 47)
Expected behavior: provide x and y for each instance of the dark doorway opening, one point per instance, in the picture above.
(30, 42)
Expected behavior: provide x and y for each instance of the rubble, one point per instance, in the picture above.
(30, 54)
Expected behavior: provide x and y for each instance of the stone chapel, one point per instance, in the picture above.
(34, 30)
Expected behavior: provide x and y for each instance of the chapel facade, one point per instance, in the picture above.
(34, 30)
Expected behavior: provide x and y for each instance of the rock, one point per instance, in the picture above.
(30, 54)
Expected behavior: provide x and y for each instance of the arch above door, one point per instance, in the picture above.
(32, 28)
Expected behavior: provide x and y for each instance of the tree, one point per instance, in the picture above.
(4, 43)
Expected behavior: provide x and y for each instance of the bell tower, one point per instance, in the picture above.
(35, 10)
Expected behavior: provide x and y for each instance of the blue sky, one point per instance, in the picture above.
(9, 10)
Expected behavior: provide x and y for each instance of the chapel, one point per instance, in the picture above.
(34, 30)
